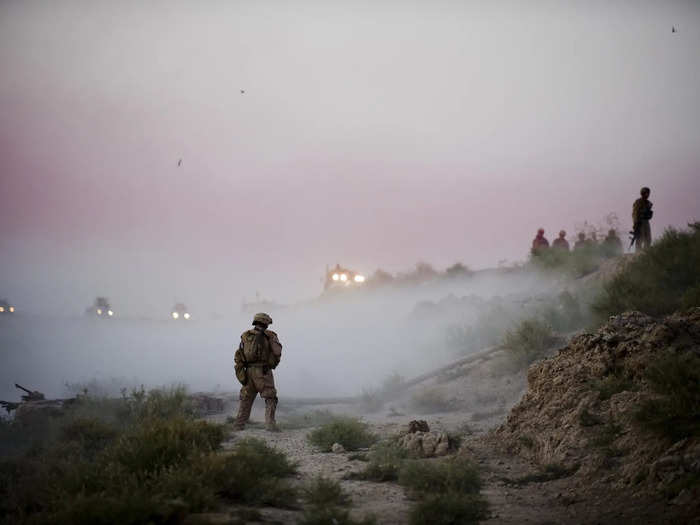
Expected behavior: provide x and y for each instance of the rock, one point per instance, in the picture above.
(425, 444)
(337, 448)
(590, 392)
(419, 425)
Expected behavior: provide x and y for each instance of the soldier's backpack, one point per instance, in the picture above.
(262, 347)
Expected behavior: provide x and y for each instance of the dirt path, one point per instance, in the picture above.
(510, 503)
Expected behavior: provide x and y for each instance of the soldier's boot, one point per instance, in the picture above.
(270, 409)
(244, 407)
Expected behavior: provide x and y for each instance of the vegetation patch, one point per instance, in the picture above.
(350, 432)
(332, 516)
(675, 409)
(384, 462)
(139, 459)
(325, 492)
(455, 474)
(661, 280)
(447, 491)
(449, 509)
(529, 340)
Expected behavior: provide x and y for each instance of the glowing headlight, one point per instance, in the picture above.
(186, 316)
(99, 311)
(336, 276)
(12, 309)
(2, 309)
(359, 278)
(343, 277)
(110, 313)
(175, 315)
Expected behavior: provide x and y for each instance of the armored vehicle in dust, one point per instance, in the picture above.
(342, 278)
(180, 312)
(6, 308)
(101, 309)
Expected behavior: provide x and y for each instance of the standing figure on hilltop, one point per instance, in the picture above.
(560, 242)
(539, 243)
(259, 352)
(641, 215)
(612, 245)
(581, 243)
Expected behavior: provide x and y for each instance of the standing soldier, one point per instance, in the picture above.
(581, 244)
(258, 354)
(612, 245)
(641, 215)
(539, 243)
(560, 242)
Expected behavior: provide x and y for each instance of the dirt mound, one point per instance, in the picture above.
(580, 410)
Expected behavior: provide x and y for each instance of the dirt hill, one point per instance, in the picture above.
(620, 408)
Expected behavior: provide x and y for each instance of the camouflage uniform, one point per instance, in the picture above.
(641, 214)
(259, 352)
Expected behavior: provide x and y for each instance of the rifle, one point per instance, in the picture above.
(634, 233)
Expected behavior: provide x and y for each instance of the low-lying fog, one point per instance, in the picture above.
(333, 346)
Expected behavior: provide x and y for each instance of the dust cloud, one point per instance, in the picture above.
(334, 345)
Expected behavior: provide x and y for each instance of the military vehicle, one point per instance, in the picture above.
(342, 278)
(101, 308)
(180, 312)
(6, 308)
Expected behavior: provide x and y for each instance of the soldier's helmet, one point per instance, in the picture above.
(262, 318)
(540, 231)
(644, 190)
(562, 234)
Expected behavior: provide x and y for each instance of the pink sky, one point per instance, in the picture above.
(371, 136)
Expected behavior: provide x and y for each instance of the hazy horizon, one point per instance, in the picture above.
(373, 135)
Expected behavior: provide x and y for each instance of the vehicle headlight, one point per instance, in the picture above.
(336, 276)
(12, 309)
(110, 313)
(186, 316)
(99, 311)
(359, 278)
(343, 277)
(2, 309)
(175, 315)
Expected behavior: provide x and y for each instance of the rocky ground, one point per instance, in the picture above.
(542, 439)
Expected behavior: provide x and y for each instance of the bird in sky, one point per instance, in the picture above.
(242, 91)
(673, 29)
(179, 163)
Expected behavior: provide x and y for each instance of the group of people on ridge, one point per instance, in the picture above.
(612, 245)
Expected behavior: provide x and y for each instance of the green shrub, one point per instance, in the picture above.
(325, 492)
(661, 280)
(160, 444)
(675, 412)
(435, 477)
(348, 431)
(385, 460)
(528, 341)
(451, 508)
(332, 516)
(154, 467)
